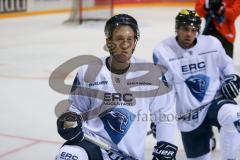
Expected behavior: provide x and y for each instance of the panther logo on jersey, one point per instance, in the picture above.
(198, 85)
(120, 124)
(117, 122)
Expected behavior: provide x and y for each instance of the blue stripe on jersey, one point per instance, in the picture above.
(237, 125)
(76, 83)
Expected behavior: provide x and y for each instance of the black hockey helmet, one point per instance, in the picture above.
(188, 17)
(121, 19)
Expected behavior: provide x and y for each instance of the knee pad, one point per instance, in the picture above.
(229, 117)
(72, 152)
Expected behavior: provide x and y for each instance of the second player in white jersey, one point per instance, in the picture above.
(196, 74)
(206, 84)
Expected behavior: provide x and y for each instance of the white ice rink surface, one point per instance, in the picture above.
(32, 47)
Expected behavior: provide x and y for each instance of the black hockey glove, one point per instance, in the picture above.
(114, 156)
(230, 86)
(72, 134)
(216, 9)
(215, 5)
(164, 151)
(153, 129)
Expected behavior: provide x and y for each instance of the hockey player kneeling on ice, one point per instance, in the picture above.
(122, 103)
(206, 84)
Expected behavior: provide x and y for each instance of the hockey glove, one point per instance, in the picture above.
(153, 129)
(216, 9)
(215, 5)
(164, 151)
(230, 86)
(73, 133)
(114, 156)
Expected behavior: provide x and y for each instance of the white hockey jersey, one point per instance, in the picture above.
(120, 105)
(195, 74)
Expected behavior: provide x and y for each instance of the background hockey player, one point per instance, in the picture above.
(120, 125)
(220, 16)
(201, 73)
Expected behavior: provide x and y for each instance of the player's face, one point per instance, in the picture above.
(186, 36)
(122, 44)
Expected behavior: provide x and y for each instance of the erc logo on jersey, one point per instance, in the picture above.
(121, 99)
(198, 85)
(117, 122)
(193, 68)
(68, 156)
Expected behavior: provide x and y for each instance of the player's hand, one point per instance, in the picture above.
(66, 128)
(153, 129)
(164, 151)
(114, 156)
(221, 9)
(230, 86)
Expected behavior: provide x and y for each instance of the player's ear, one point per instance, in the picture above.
(106, 46)
(108, 42)
(176, 31)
